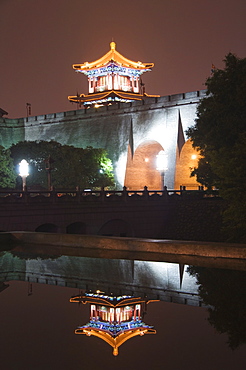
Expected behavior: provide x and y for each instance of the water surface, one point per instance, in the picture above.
(199, 318)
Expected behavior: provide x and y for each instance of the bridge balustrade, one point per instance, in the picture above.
(61, 195)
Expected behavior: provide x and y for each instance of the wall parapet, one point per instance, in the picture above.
(11, 122)
(161, 102)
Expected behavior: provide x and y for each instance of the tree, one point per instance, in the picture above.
(220, 133)
(204, 173)
(7, 175)
(224, 291)
(70, 166)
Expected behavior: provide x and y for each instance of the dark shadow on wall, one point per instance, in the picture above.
(76, 228)
(47, 228)
(116, 227)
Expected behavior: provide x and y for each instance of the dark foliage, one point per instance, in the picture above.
(70, 166)
(224, 291)
(7, 175)
(220, 135)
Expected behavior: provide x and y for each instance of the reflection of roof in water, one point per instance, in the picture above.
(115, 341)
(113, 328)
(108, 300)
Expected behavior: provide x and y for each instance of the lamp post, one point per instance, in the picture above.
(48, 168)
(23, 169)
(161, 166)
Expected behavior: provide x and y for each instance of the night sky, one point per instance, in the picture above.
(41, 39)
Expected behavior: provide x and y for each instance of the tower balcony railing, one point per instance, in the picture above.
(126, 88)
(101, 88)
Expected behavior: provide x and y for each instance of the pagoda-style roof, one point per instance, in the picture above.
(114, 332)
(112, 78)
(108, 96)
(115, 341)
(108, 300)
(112, 56)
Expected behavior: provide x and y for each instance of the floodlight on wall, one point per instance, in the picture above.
(23, 172)
(161, 166)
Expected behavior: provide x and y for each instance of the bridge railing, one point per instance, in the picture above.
(103, 195)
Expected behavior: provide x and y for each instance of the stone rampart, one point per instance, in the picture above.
(114, 128)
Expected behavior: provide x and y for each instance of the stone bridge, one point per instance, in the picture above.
(168, 214)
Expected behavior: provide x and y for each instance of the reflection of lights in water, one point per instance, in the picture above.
(117, 320)
(166, 274)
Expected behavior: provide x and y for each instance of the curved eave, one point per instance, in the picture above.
(119, 340)
(90, 98)
(112, 55)
(104, 95)
(105, 302)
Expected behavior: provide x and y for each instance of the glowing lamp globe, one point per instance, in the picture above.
(23, 168)
(161, 161)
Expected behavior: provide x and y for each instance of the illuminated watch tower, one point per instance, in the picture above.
(112, 78)
(115, 319)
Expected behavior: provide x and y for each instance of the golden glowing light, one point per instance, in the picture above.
(194, 156)
(114, 55)
(113, 78)
(112, 45)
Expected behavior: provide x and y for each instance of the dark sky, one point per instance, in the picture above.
(41, 39)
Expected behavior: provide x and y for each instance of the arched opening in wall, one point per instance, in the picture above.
(116, 227)
(47, 228)
(141, 169)
(76, 228)
(185, 161)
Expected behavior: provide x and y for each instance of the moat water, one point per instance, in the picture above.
(199, 318)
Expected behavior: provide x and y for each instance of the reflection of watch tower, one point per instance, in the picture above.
(114, 319)
(112, 78)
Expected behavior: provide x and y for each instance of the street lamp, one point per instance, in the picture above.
(23, 168)
(48, 163)
(161, 166)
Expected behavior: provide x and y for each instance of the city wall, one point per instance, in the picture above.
(119, 128)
